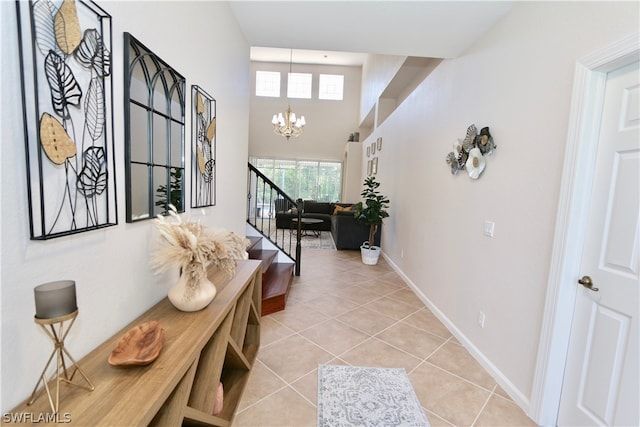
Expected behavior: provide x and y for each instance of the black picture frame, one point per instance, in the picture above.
(203, 148)
(67, 101)
(154, 115)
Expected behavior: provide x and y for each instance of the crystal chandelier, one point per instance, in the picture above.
(287, 124)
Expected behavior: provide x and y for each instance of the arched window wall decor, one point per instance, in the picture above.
(154, 133)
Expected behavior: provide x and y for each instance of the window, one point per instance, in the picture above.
(304, 179)
(268, 83)
(331, 86)
(299, 85)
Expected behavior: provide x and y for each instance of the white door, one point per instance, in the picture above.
(601, 383)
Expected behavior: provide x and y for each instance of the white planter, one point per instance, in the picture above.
(370, 254)
(185, 299)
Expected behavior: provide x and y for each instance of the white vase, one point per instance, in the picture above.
(370, 254)
(185, 299)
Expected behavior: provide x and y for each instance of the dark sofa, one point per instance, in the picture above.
(347, 233)
(310, 209)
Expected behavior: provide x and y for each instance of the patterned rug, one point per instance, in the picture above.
(368, 397)
(324, 241)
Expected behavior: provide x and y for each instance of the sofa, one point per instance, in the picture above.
(310, 209)
(337, 218)
(348, 233)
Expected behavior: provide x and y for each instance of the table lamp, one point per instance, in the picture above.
(55, 305)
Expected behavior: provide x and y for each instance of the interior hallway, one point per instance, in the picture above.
(341, 311)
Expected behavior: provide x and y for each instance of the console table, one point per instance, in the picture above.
(201, 349)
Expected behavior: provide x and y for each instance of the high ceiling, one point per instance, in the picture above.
(435, 29)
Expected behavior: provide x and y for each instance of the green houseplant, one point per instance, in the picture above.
(174, 196)
(372, 212)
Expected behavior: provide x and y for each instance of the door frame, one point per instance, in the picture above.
(577, 181)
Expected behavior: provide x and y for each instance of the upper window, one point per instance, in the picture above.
(268, 83)
(299, 85)
(331, 86)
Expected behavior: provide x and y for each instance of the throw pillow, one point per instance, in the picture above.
(339, 208)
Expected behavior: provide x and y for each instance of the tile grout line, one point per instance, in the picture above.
(309, 341)
(270, 394)
(370, 337)
(484, 406)
(338, 356)
(315, 405)
(426, 361)
(430, 354)
(459, 377)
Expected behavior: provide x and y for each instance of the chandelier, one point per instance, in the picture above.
(287, 124)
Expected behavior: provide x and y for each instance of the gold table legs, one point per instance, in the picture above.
(57, 332)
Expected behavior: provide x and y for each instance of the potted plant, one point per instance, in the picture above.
(193, 247)
(371, 212)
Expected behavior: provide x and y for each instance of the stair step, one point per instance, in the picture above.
(266, 255)
(275, 287)
(253, 242)
(276, 277)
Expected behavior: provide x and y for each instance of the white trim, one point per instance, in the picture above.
(580, 153)
(518, 397)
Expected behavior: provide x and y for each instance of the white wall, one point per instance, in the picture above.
(352, 173)
(517, 80)
(377, 72)
(329, 123)
(114, 283)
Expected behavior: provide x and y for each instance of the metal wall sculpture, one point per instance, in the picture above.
(67, 98)
(470, 153)
(203, 148)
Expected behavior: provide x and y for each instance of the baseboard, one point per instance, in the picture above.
(518, 397)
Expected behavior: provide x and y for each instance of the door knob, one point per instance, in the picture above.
(588, 283)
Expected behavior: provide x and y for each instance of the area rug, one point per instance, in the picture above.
(368, 397)
(324, 241)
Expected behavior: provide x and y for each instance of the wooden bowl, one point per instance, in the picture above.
(140, 346)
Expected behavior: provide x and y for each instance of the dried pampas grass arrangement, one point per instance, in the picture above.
(193, 247)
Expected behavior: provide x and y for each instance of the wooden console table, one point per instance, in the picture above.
(219, 343)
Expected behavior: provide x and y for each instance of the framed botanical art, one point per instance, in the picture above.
(67, 100)
(203, 148)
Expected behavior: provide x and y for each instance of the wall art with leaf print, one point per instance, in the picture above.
(203, 133)
(65, 59)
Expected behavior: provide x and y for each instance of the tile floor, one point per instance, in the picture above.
(341, 311)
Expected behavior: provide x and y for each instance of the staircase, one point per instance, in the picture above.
(276, 276)
(264, 198)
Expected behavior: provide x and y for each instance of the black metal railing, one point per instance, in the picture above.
(264, 200)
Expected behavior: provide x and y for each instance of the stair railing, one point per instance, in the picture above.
(264, 200)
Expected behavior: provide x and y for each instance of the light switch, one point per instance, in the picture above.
(488, 228)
